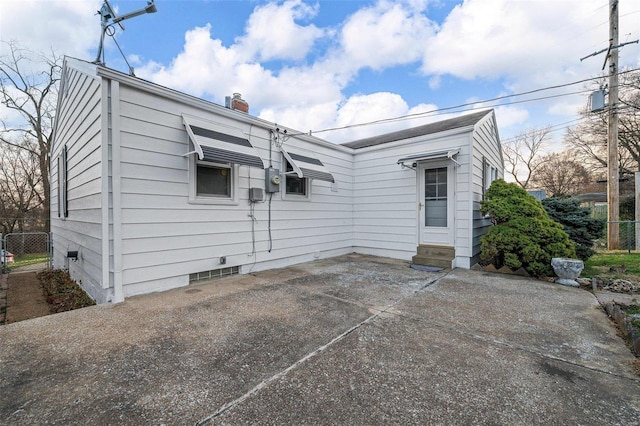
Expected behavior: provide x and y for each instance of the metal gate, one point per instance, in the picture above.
(25, 251)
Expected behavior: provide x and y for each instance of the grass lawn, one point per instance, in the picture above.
(29, 259)
(600, 263)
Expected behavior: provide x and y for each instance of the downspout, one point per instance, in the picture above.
(118, 294)
(105, 135)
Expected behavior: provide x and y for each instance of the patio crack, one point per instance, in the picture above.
(263, 384)
(479, 336)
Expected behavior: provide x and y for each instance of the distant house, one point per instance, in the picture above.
(153, 189)
(538, 194)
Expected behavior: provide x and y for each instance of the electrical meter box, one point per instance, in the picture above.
(272, 180)
(256, 194)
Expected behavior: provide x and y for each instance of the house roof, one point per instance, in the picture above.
(593, 196)
(427, 129)
(98, 71)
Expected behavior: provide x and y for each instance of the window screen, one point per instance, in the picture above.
(293, 184)
(435, 197)
(213, 181)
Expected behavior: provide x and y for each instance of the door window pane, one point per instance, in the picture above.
(436, 213)
(435, 199)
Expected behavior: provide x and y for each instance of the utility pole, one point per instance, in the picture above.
(613, 168)
(613, 178)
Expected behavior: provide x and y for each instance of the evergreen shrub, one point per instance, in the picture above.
(583, 229)
(523, 235)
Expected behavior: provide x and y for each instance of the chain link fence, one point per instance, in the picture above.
(25, 251)
(628, 234)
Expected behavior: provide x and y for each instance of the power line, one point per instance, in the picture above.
(460, 106)
(552, 128)
(438, 112)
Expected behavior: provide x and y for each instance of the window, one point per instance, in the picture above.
(293, 184)
(213, 183)
(213, 180)
(435, 197)
(489, 174)
(63, 206)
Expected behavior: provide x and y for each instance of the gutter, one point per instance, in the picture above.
(118, 294)
(104, 185)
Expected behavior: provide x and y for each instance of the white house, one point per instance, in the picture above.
(152, 189)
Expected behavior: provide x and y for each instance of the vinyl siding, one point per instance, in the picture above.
(126, 143)
(78, 127)
(486, 145)
(385, 200)
(164, 236)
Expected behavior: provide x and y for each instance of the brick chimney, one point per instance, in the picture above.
(239, 104)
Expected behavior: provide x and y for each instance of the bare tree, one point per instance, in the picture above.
(20, 188)
(522, 156)
(559, 174)
(32, 95)
(588, 139)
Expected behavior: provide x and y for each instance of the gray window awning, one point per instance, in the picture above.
(221, 144)
(307, 166)
(434, 155)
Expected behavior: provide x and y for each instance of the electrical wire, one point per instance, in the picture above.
(553, 128)
(252, 215)
(468, 104)
(269, 225)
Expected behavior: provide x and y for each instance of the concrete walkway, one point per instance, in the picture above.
(25, 299)
(351, 340)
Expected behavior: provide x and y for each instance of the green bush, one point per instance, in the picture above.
(523, 235)
(583, 229)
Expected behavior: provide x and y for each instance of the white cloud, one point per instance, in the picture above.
(272, 31)
(567, 107)
(302, 96)
(68, 27)
(348, 115)
(300, 74)
(313, 117)
(368, 108)
(380, 106)
(511, 116)
(386, 34)
(207, 68)
(534, 41)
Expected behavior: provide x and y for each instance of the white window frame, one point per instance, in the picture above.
(489, 174)
(283, 187)
(63, 202)
(438, 197)
(194, 198)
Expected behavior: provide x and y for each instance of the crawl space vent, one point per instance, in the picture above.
(213, 274)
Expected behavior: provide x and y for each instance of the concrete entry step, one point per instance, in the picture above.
(431, 255)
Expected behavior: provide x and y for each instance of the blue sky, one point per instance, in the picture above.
(314, 65)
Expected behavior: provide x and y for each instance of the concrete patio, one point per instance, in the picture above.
(350, 340)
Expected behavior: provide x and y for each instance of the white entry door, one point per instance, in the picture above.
(436, 203)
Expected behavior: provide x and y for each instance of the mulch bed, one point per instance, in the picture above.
(30, 295)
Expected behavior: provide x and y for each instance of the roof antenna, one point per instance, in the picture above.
(108, 19)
